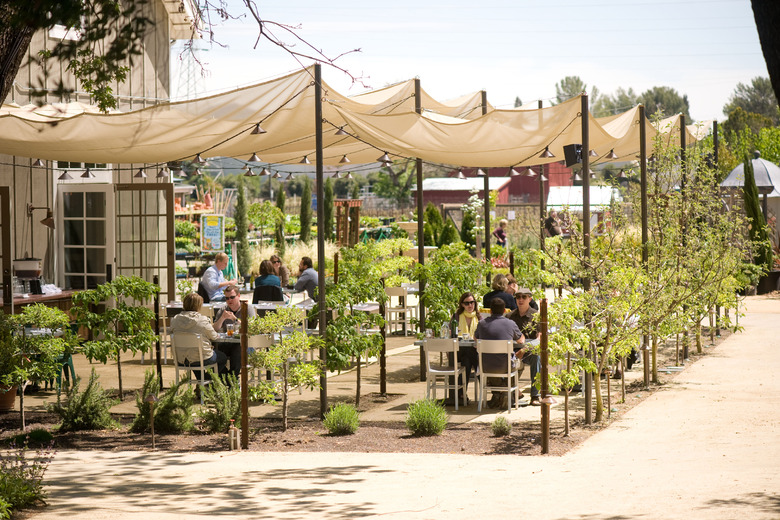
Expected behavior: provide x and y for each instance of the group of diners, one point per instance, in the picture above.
(517, 326)
(272, 272)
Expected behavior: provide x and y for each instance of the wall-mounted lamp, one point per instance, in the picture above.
(48, 221)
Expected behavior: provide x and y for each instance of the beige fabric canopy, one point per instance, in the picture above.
(384, 120)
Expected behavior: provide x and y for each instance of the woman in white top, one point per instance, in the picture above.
(191, 320)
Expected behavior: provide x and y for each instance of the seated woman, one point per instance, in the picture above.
(467, 318)
(500, 285)
(280, 270)
(267, 275)
(191, 320)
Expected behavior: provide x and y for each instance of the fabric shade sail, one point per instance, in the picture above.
(385, 120)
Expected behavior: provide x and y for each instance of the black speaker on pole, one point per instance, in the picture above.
(572, 153)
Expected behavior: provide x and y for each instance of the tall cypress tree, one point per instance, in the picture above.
(327, 227)
(306, 212)
(281, 243)
(762, 255)
(242, 230)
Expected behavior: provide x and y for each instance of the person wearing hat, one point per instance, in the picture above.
(523, 316)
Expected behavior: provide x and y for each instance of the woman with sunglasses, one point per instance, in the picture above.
(280, 270)
(467, 317)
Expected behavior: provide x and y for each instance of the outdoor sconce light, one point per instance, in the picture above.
(461, 175)
(577, 177)
(64, 177)
(39, 163)
(385, 159)
(254, 158)
(592, 153)
(48, 221)
(163, 173)
(141, 174)
(349, 176)
(199, 159)
(543, 178)
(249, 173)
(546, 154)
(305, 160)
(198, 172)
(290, 176)
(612, 154)
(480, 172)
(344, 159)
(335, 175)
(622, 174)
(341, 131)
(276, 175)
(530, 173)
(181, 173)
(258, 130)
(264, 172)
(513, 173)
(87, 174)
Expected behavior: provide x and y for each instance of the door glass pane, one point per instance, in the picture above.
(96, 232)
(74, 282)
(94, 281)
(96, 260)
(73, 204)
(74, 260)
(96, 204)
(74, 232)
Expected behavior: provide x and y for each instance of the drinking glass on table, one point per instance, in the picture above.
(229, 328)
(428, 333)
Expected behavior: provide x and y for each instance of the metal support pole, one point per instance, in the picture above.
(542, 204)
(486, 187)
(683, 183)
(643, 202)
(546, 401)
(157, 346)
(586, 239)
(320, 235)
(420, 225)
(244, 377)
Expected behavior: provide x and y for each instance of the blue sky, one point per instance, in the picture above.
(508, 48)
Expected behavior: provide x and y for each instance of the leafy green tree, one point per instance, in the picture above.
(125, 326)
(756, 98)
(762, 254)
(306, 212)
(448, 235)
(33, 358)
(291, 345)
(98, 59)
(620, 101)
(569, 87)
(242, 230)
(328, 225)
(667, 101)
(395, 181)
(740, 120)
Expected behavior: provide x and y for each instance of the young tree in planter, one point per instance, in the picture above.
(287, 355)
(26, 358)
(306, 212)
(125, 326)
(242, 231)
(762, 248)
(363, 270)
(262, 214)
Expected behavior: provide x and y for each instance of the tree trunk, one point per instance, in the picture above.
(14, 43)
(357, 383)
(119, 374)
(654, 355)
(698, 337)
(285, 391)
(21, 404)
(767, 16)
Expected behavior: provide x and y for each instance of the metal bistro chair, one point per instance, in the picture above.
(191, 341)
(401, 313)
(512, 375)
(442, 374)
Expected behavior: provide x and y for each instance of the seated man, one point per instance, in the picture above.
(523, 316)
(214, 281)
(497, 326)
(191, 320)
(308, 279)
(231, 314)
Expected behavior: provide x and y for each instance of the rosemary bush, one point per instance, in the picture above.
(222, 403)
(342, 419)
(173, 410)
(426, 417)
(500, 427)
(87, 410)
(21, 477)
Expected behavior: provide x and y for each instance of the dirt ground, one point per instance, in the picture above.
(309, 435)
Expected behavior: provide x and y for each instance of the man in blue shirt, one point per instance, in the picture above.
(214, 281)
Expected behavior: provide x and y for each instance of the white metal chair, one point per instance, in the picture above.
(445, 375)
(259, 342)
(512, 375)
(185, 344)
(398, 312)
